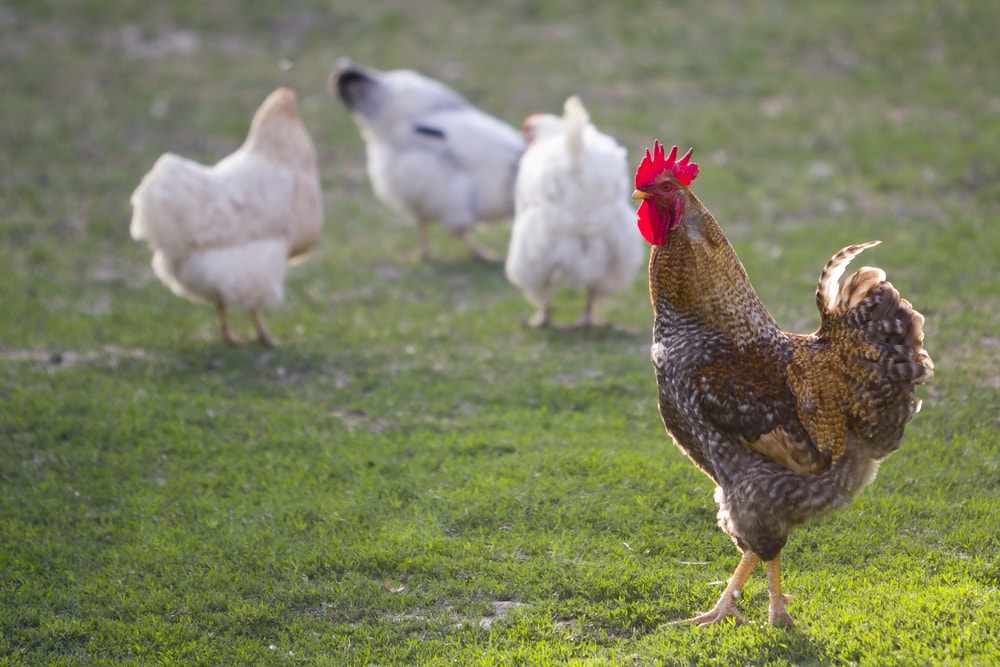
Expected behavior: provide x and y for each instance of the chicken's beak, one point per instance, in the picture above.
(639, 194)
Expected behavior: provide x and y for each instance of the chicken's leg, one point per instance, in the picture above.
(425, 242)
(263, 335)
(542, 318)
(478, 251)
(726, 606)
(227, 334)
(587, 317)
(776, 614)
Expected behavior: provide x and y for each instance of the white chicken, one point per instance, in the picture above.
(225, 234)
(431, 156)
(573, 224)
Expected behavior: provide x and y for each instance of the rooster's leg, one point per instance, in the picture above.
(263, 335)
(227, 334)
(726, 606)
(776, 614)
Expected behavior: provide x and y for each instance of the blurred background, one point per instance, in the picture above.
(816, 125)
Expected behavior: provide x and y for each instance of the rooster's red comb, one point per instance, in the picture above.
(653, 165)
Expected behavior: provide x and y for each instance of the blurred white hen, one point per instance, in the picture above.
(432, 156)
(573, 225)
(225, 234)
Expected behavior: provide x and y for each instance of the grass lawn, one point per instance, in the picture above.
(415, 477)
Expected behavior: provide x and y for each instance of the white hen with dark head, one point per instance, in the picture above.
(431, 155)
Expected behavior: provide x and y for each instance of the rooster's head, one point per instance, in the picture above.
(661, 183)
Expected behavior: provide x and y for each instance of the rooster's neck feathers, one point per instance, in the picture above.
(697, 275)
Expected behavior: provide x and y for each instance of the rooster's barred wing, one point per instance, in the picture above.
(746, 396)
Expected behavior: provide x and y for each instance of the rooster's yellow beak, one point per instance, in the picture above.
(639, 194)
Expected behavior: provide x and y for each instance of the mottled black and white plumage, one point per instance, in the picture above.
(431, 155)
(789, 427)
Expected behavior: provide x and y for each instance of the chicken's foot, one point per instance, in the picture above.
(542, 318)
(726, 606)
(478, 251)
(263, 335)
(776, 614)
(424, 254)
(587, 317)
(227, 334)
(586, 320)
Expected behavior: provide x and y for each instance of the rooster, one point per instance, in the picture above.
(572, 223)
(225, 234)
(788, 426)
(432, 156)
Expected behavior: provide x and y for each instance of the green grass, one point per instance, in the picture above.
(412, 455)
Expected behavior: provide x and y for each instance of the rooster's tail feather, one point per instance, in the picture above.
(576, 119)
(872, 310)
